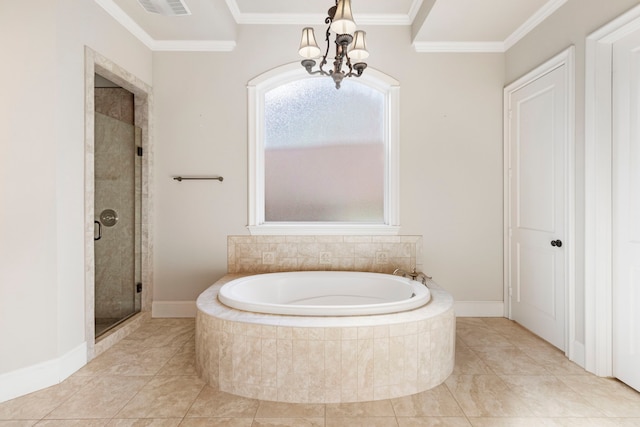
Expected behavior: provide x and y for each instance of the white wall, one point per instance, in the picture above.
(451, 157)
(28, 253)
(570, 25)
(42, 310)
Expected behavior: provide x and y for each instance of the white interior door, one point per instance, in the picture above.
(537, 143)
(626, 209)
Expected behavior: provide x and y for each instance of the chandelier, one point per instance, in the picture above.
(340, 21)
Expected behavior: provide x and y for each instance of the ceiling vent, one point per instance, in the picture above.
(165, 7)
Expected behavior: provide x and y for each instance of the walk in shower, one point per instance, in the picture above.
(117, 206)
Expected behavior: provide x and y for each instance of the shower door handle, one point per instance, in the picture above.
(99, 231)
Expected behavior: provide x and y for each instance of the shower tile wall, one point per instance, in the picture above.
(380, 254)
(116, 103)
(114, 170)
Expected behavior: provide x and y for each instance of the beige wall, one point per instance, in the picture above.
(570, 25)
(42, 170)
(450, 164)
(451, 156)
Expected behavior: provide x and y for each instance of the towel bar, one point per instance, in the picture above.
(184, 178)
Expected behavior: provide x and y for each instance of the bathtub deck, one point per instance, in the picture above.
(301, 359)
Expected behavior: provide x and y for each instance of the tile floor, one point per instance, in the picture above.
(504, 376)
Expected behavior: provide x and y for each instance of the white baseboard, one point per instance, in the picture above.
(173, 309)
(578, 355)
(479, 308)
(45, 374)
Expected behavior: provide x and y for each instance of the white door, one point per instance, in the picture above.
(626, 209)
(537, 143)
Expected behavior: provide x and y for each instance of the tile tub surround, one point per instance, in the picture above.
(270, 254)
(300, 359)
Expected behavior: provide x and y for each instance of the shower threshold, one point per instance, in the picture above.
(104, 325)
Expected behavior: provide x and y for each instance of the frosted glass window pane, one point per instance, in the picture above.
(325, 152)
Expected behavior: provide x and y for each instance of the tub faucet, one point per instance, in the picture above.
(414, 275)
(400, 272)
(423, 276)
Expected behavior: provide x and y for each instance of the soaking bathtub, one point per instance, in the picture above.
(324, 293)
(325, 356)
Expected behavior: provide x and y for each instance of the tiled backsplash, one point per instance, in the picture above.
(266, 254)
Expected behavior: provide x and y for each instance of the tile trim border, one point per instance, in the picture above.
(168, 309)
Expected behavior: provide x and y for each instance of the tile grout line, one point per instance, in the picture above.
(453, 396)
(556, 370)
(132, 397)
(63, 401)
(192, 403)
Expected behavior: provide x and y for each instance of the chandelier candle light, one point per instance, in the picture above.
(340, 21)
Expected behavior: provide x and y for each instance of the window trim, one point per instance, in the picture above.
(291, 72)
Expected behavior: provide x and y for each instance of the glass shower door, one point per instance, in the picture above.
(117, 237)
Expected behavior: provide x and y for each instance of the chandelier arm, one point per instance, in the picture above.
(308, 65)
(327, 21)
(321, 72)
(359, 67)
(346, 55)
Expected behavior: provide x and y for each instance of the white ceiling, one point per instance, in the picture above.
(437, 25)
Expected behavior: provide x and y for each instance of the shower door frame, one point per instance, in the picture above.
(96, 63)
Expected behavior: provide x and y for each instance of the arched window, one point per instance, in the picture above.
(323, 160)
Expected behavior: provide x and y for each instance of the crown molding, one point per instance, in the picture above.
(414, 9)
(234, 9)
(311, 19)
(125, 20)
(541, 14)
(459, 47)
(163, 45)
(316, 18)
(493, 47)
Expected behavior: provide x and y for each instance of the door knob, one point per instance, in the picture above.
(109, 217)
(557, 243)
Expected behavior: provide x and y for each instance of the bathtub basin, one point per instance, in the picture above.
(324, 293)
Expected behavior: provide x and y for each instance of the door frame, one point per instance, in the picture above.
(598, 191)
(143, 106)
(565, 58)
